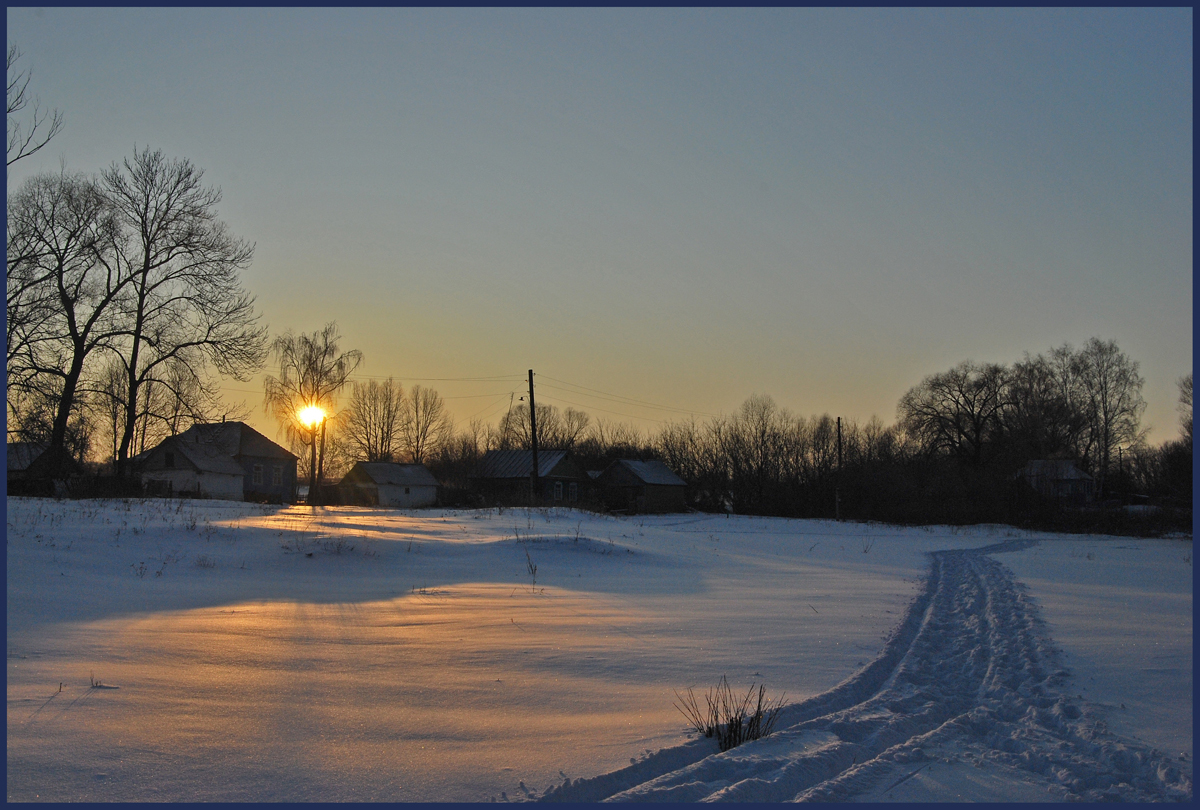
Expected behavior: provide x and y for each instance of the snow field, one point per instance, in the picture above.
(417, 656)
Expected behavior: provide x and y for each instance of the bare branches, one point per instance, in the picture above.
(424, 424)
(372, 427)
(312, 371)
(186, 311)
(26, 138)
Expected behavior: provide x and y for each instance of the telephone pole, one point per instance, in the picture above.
(533, 475)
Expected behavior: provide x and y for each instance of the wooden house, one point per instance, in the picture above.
(1059, 479)
(638, 487)
(383, 483)
(225, 460)
(503, 476)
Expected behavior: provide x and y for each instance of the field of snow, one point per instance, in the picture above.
(217, 651)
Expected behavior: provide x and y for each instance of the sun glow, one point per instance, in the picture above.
(311, 416)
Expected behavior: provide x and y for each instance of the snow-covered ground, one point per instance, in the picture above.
(253, 653)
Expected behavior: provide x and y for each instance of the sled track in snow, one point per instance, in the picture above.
(969, 669)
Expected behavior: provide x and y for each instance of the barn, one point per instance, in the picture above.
(225, 460)
(384, 483)
(642, 486)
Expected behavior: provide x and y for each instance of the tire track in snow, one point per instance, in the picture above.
(969, 675)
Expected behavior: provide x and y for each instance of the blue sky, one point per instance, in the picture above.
(679, 206)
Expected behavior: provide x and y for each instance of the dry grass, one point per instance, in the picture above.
(730, 719)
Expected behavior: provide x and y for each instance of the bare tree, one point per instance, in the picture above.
(957, 411)
(372, 427)
(1113, 388)
(63, 293)
(1185, 406)
(557, 430)
(424, 425)
(25, 138)
(312, 372)
(184, 306)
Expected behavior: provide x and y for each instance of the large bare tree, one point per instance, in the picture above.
(424, 425)
(64, 294)
(1113, 388)
(957, 411)
(372, 425)
(26, 136)
(184, 307)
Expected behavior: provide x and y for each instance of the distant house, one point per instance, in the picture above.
(504, 476)
(21, 456)
(1058, 479)
(642, 486)
(32, 470)
(226, 460)
(382, 483)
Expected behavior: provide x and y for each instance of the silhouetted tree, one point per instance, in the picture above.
(65, 301)
(183, 307)
(958, 411)
(26, 137)
(312, 371)
(373, 421)
(1113, 388)
(424, 424)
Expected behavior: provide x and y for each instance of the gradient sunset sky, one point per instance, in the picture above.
(675, 207)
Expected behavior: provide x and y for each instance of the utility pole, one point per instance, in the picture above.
(533, 475)
(837, 487)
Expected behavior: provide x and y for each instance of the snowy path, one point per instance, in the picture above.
(969, 676)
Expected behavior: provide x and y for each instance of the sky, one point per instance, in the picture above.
(663, 212)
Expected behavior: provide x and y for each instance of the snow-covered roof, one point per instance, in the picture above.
(234, 439)
(651, 472)
(209, 458)
(517, 463)
(393, 474)
(1057, 469)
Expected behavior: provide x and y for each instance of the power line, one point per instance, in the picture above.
(605, 410)
(621, 398)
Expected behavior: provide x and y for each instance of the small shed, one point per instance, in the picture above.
(1059, 479)
(637, 486)
(504, 475)
(384, 483)
(226, 460)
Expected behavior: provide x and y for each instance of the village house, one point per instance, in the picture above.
(224, 460)
(1059, 479)
(639, 487)
(503, 476)
(384, 483)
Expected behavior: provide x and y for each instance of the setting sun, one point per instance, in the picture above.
(311, 416)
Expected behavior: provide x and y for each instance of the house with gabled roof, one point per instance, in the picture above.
(1058, 479)
(504, 476)
(385, 483)
(637, 487)
(225, 460)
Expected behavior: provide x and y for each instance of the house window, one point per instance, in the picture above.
(406, 490)
(558, 490)
(277, 476)
(573, 491)
(258, 474)
(169, 460)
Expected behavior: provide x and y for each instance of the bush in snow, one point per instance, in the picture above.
(728, 718)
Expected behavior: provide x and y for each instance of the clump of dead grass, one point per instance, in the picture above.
(732, 720)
